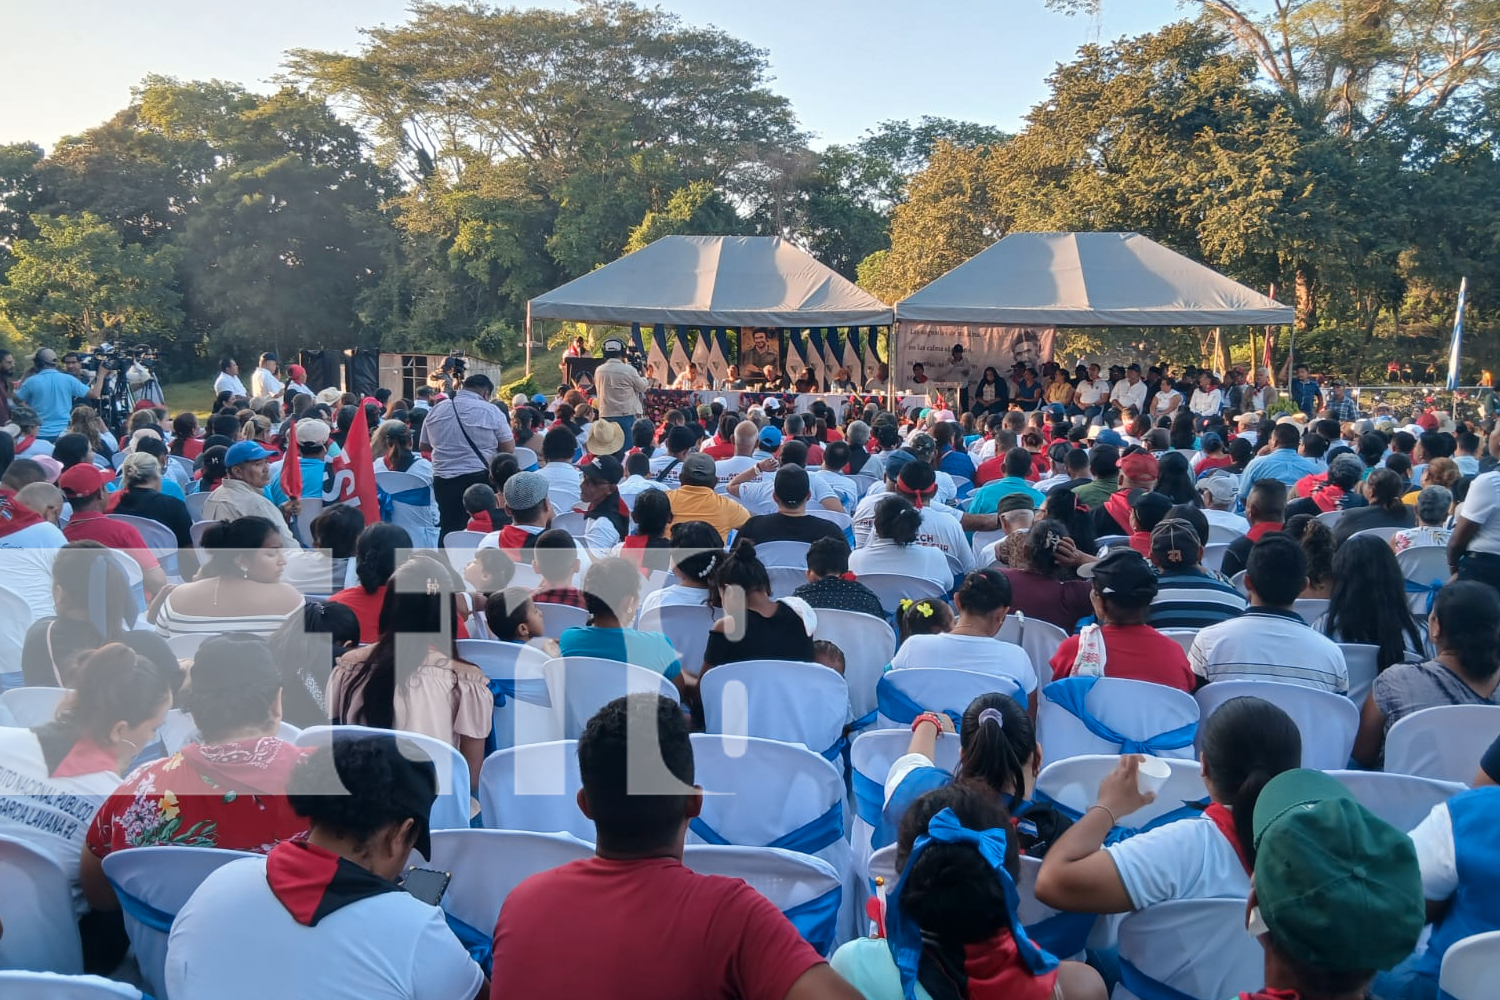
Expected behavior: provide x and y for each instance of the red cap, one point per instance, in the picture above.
(1428, 421)
(1139, 465)
(296, 371)
(144, 404)
(83, 481)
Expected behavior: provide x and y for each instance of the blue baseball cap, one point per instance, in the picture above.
(770, 438)
(539, 399)
(1108, 436)
(245, 451)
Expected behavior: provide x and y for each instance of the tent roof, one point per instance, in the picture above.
(714, 281)
(1087, 279)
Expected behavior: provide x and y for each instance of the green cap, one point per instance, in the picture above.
(1338, 887)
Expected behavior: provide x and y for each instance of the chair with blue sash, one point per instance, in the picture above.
(784, 700)
(871, 755)
(1072, 785)
(406, 500)
(51, 986)
(581, 685)
(1445, 742)
(763, 793)
(152, 884)
(1111, 715)
(1038, 638)
(523, 708)
(534, 787)
(487, 865)
(1191, 949)
(1426, 570)
(904, 694)
(868, 643)
(451, 810)
(36, 909)
(805, 889)
(1402, 800)
(1328, 722)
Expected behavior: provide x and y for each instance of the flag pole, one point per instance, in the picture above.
(1456, 349)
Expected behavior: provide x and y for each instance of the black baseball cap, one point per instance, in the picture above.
(1124, 573)
(604, 468)
(614, 347)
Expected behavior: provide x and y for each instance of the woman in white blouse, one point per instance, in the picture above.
(893, 548)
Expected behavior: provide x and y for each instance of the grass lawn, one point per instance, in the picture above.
(195, 396)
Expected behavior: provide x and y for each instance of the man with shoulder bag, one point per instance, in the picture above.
(463, 433)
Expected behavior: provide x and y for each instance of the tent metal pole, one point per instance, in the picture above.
(528, 340)
(890, 370)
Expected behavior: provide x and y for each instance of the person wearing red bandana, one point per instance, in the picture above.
(324, 915)
(953, 930)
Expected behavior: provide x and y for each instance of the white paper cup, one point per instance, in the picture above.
(1153, 774)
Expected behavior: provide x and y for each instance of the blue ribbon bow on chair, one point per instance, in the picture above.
(817, 919)
(1430, 589)
(810, 838)
(421, 496)
(905, 937)
(1071, 693)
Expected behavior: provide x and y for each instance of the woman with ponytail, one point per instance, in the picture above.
(1464, 626)
(952, 929)
(1246, 743)
(754, 626)
(998, 754)
(893, 547)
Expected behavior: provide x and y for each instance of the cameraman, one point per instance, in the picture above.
(51, 393)
(619, 388)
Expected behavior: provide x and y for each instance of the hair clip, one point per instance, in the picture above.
(905, 603)
(992, 715)
(925, 609)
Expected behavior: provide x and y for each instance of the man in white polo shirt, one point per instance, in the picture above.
(1269, 641)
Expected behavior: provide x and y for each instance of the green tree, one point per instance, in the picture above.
(76, 282)
(697, 209)
(20, 192)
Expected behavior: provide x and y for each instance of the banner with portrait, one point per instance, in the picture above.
(931, 346)
(760, 348)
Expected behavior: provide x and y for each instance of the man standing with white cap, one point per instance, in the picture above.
(52, 393)
(620, 388)
(264, 382)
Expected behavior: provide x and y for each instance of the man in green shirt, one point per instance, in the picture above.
(1104, 466)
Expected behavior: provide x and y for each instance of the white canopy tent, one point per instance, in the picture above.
(1087, 279)
(708, 281)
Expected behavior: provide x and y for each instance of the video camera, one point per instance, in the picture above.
(117, 358)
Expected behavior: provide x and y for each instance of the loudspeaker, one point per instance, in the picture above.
(362, 365)
(324, 369)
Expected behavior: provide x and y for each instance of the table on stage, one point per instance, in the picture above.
(658, 401)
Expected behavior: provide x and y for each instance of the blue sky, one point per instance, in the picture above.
(845, 64)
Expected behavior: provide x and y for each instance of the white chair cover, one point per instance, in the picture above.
(806, 889)
(1040, 640)
(184, 645)
(763, 793)
(526, 458)
(534, 787)
(488, 864)
(1423, 567)
(1138, 710)
(893, 588)
(1074, 783)
(785, 700)
(15, 618)
(195, 504)
(1328, 722)
(1222, 533)
(160, 540)
(1213, 555)
(844, 521)
(870, 758)
(783, 553)
(32, 706)
(579, 686)
(196, 532)
(1363, 662)
(936, 689)
(1384, 534)
(983, 540)
(786, 579)
(1169, 943)
(1471, 968)
(1311, 608)
(1330, 518)
(1182, 636)
(558, 618)
(569, 520)
(451, 810)
(868, 643)
(178, 730)
(523, 706)
(1444, 742)
(460, 546)
(36, 909)
(686, 627)
(1402, 800)
(153, 883)
(50, 986)
(419, 520)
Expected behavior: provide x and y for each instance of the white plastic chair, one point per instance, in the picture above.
(1040, 640)
(1471, 968)
(534, 787)
(36, 907)
(1423, 566)
(940, 689)
(1182, 636)
(196, 532)
(794, 882)
(983, 540)
(161, 878)
(526, 716)
(1311, 608)
(1402, 800)
(786, 579)
(459, 546)
(1137, 710)
(185, 645)
(783, 553)
(195, 503)
(487, 865)
(1331, 518)
(1222, 533)
(15, 618)
(1362, 659)
(868, 643)
(844, 521)
(50, 986)
(1239, 582)
(1328, 722)
(160, 541)
(451, 809)
(1384, 534)
(569, 520)
(1213, 555)
(785, 700)
(178, 730)
(1169, 941)
(686, 627)
(32, 706)
(579, 686)
(1445, 742)
(558, 618)
(526, 458)
(313, 506)
(1074, 783)
(893, 588)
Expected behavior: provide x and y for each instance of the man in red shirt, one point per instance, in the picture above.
(722, 446)
(83, 487)
(615, 924)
